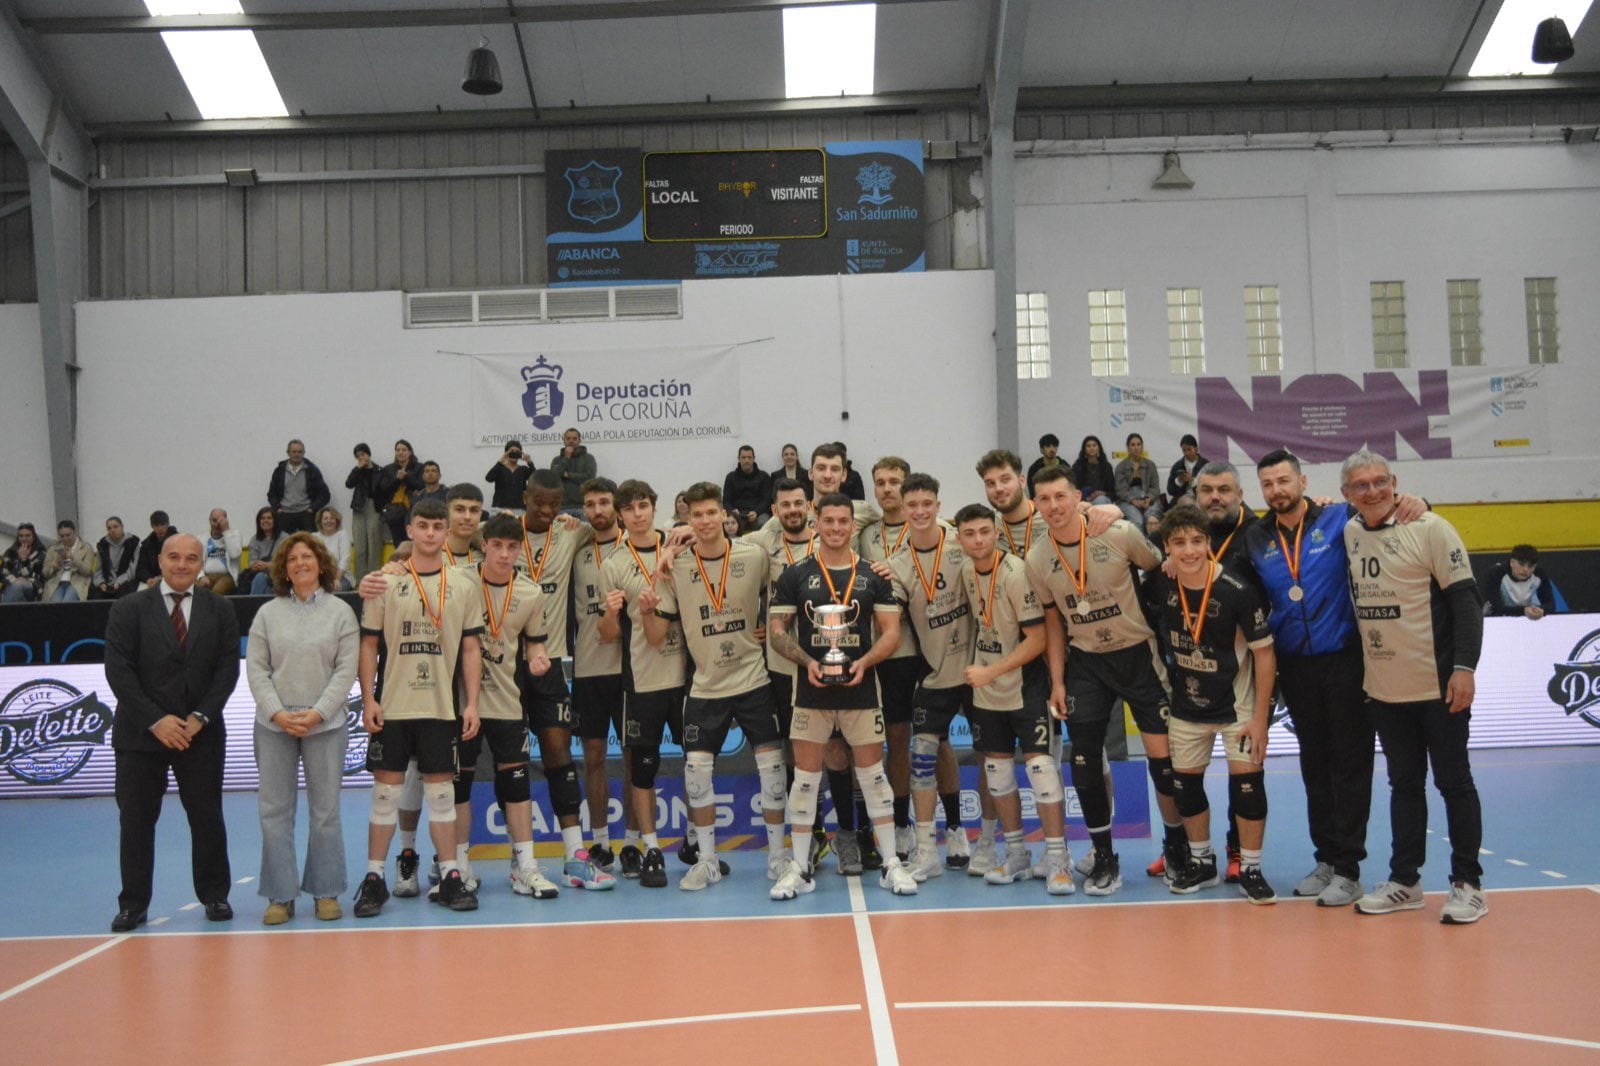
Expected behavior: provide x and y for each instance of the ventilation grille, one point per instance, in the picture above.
(499, 307)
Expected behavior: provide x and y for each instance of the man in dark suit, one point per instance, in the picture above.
(172, 660)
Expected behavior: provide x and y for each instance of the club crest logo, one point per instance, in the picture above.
(49, 730)
(542, 400)
(592, 192)
(875, 180)
(1575, 685)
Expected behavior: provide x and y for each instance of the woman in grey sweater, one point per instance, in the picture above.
(301, 662)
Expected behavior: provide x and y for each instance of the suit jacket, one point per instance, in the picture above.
(150, 677)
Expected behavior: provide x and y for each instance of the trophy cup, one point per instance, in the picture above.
(832, 621)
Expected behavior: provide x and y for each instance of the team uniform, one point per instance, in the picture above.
(596, 664)
(781, 554)
(547, 559)
(1010, 713)
(928, 584)
(511, 614)
(652, 677)
(898, 674)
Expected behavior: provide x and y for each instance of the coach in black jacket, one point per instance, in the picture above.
(172, 660)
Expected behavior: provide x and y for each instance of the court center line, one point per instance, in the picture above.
(872, 978)
(1270, 1012)
(69, 964)
(608, 1027)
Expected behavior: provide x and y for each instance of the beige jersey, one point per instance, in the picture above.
(1106, 615)
(880, 542)
(471, 557)
(420, 661)
(547, 558)
(1003, 604)
(719, 608)
(591, 656)
(865, 513)
(510, 614)
(1018, 538)
(781, 554)
(929, 584)
(1399, 575)
(644, 668)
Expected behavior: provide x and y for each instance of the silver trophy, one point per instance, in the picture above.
(831, 622)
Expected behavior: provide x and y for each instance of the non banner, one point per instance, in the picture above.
(608, 394)
(1467, 412)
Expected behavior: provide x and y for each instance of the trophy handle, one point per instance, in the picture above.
(855, 612)
(810, 617)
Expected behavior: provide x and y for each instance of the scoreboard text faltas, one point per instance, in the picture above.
(736, 195)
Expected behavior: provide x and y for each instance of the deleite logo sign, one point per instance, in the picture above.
(49, 730)
(1575, 686)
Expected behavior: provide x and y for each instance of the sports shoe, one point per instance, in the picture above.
(1105, 877)
(632, 861)
(531, 881)
(924, 863)
(1254, 887)
(582, 872)
(1085, 866)
(847, 853)
(957, 848)
(1387, 897)
(985, 857)
(701, 875)
(1341, 892)
(871, 857)
(433, 871)
(469, 879)
(1016, 866)
(1158, 868)
(372, 894)
(689, 854)
(1231, 877)
(405, 874)
(793, 882)
(905, 841)
(454, 893)
(1198, 874)
(1058, 873)
(603, 856)
(653, 869)
(775, 861)
(1314, 882)
(897, 879)
(820, 846)
(1465, 905)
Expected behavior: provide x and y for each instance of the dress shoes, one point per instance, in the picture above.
(129, 920)
(218, 910)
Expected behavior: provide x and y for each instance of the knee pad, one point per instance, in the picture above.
(1247, 795)
(876, 791)
(643, 765)
(463, 784)
(511, 785)
(565, 798)
(385, 804)
(697, 786)
(773, 776)
(441, 800)
(1189, 793)
(924, 762)
(1161, 774)
(410, 794)
(803, 800)
(1001, 775)
(1045, 776)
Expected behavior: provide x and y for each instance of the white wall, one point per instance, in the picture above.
(907, 355)
(1321, 225)
(25, 490)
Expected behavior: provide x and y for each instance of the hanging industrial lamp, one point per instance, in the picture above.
(1551, 42)
(483, 71)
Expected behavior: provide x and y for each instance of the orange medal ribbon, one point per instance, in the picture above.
(988, 603)
(544, 552)
(1027, 538)
(848, 589)
(883, 536)
(715, 595)
(1197, 625)
(488, 604)
(930, 585)
(649, 574)
(437, 617)
(1217, 555)
(1080, 576)
(811, 546)
(1291, 561)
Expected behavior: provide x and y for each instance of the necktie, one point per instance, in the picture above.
(180, 628)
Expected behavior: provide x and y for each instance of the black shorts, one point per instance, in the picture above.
(1097, 681)
(897, 686)
(646, 715)
(430, 741)
(597, 705)
(705, 722)
(783, 697)
(546, 703)
(1004, 732)
(507, 740)
(935, 708)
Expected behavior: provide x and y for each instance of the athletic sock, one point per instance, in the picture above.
(902, 812)
(952, 808)
(447, 867)
(408, 839)
(521, 854)
(841, 786)
(1014, 840)
(631, 838)
(1201, 851)
(602, 837)
(572, 840)
(776, 835)
(884, 835)
(986, 828)
(463, 863)
(650, 841)
(1249, 858)
(860, 807)
(375, 866)
(705, 838)
(1055, 845)
(1101, 839)
(1174, 834)
(925, 838)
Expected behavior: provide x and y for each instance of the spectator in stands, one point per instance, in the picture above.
(222, 550)
(161, 528)
(432, 487)
(1181, 479)
(1092, 472)
(573, 465)
(1518, 586)
(747, 489)
(257, 578)
(852, 486)
(22, 567)
(1049, 446)
(396, 483)
(69, 564)
(1139, 486)
(117, 571)
(733, 524)
(790, 468)
(366, 514)
(296, 491)
(330, 530)
(680, 510)
(509, 476)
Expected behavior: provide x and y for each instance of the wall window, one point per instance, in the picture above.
(1033, 335)
(1389, 325)
(1543, 340)
(1186, 340)
(1466, 326)
(1108, 333)
(1263, 329)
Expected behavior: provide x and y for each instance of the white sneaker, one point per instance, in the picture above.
(531, 881)
(905, 841)
(1018, 866)
(1058, 874)
(897, 879)
(775, 863)
(985, 857)
(1085, 865)
(1389, 896)
(1465, 905)
(701, 875)
(792, 882)
(1314, 882)
(924, 864)
(957, 848)
(1341, 892)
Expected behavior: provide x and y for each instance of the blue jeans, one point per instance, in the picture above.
(64, 593)
(17, 592)
(278, 756)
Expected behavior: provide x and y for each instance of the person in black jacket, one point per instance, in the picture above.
(852, 486)
(509, 476)
(747, 489)
(296, 491)
(1049, 445)
(366, 516)
(1518, 586)
(789, 468)
(150, 548)
(1093, 473)
(117, 572)
(1184, 473)
(398, 483)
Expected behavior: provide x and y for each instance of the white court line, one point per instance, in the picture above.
(1516, 862)
(608, 1027)
(189, 906)
(69, 964)
(872, 976)
(163, 920)
(1554, 873)
(1485, 851)
(1270, 1012)
(244, 880)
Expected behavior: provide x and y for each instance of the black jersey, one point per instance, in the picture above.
(804, 583)
(1213, 679)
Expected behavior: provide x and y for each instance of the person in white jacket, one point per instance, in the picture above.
(222, 550)
(68, 566)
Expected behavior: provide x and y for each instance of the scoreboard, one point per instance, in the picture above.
(770, 194)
